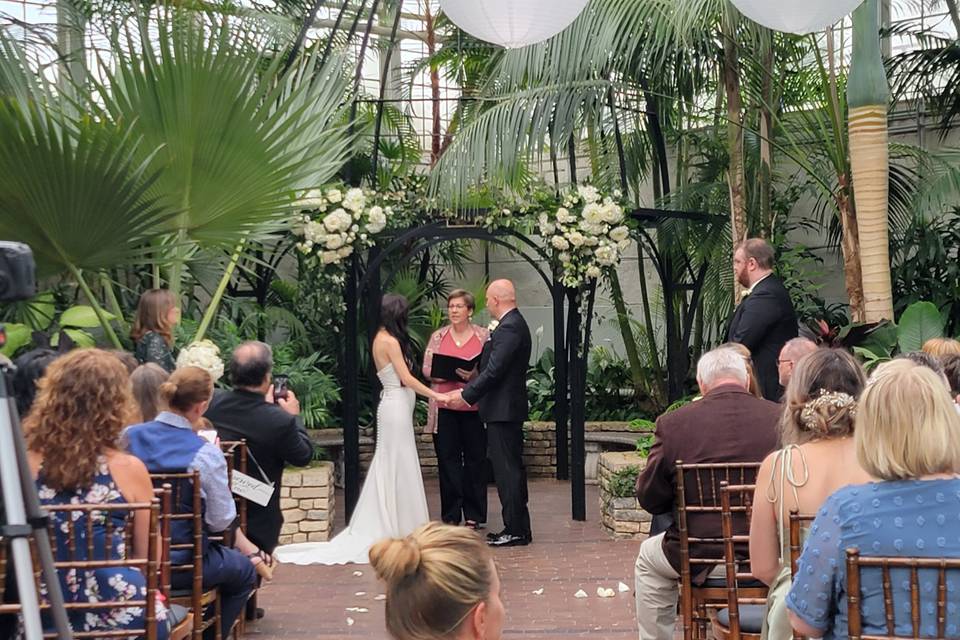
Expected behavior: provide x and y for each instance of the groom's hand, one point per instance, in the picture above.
(455, 401)
(467, 374)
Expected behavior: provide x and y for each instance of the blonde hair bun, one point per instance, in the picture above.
(394, 559)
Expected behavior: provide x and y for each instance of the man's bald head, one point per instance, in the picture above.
(791, 353)
(251, 365)
(501, 297)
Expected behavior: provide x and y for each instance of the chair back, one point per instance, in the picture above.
(798, 523)
(78, 549)
(911, 566)
(236, 455)
(736, 509)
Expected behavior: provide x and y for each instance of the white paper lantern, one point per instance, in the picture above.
(796, 16)
(513, 23)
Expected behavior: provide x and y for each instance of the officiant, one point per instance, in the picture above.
(459, 437)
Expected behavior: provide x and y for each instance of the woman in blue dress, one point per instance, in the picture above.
(83, 404)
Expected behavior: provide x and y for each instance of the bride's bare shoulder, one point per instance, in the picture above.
(385, 340)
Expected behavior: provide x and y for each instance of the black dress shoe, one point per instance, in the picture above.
(509, 540)
(498, 534)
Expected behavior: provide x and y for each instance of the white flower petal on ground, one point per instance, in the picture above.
(622, 588)
(357, 574)
(580, 594)
(605, 593)
(538, 592)
(350, 621)
(363, 593)
(380, 596)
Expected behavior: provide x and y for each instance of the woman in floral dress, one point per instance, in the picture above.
(83, 404)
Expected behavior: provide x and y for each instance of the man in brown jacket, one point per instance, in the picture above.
(727, 425)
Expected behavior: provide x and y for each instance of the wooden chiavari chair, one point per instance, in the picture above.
(698, 492)
(235, 453)
(743, 616)
(75, 530)
(913, 566)
(182, 489)
(798, 523)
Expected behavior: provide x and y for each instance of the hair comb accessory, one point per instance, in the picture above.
(837, 399)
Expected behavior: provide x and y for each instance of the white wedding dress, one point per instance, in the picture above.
(392, 502)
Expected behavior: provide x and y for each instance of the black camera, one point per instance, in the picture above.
(17, 272)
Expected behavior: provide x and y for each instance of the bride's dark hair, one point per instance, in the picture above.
(393, 318)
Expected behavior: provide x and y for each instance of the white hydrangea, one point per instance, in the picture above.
(560, 243)
(619, 234)
(377, 220)
(576, 238)
(588, 193)
(606, 255)
(203, 354)
(337, 221)
(334, 196)
(564, 216)
(354, 200)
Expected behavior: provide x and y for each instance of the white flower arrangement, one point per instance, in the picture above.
(204, 354)
(332, 224)
(587, 233)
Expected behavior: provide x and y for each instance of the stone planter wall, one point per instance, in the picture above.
(307, 503)
(621, 517)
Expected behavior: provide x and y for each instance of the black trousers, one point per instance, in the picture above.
(461, 446)
(506, 453)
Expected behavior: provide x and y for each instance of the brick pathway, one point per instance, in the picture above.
(311, 602)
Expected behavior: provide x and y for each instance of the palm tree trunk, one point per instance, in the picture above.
(868, 95)
(735, 171)
(766, 134)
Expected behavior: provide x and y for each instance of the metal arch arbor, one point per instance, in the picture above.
(571, 339)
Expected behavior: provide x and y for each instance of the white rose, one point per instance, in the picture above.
(593, 272)
(344, 252)
(377, 220)
(334, 196)
(564, 216)
(329, 257)
(576, 238)
(314, 232)
(606, 255)
(623, 245)
(612, 213)
(338, 220)
(334, 241)
(311, 199)
(619, 234)
(564, 258)
(354, 200)
(593, 214)
(560, 243)
(588, 193)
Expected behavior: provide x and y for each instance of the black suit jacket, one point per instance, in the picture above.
(763, 323)
(275, 438)
(729, 424)
(500, 390)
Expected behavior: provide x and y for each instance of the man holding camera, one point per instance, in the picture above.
(271, 426)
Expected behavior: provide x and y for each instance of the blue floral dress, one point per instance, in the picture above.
(92, 585)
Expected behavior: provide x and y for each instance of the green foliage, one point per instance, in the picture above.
(609, 394)
(540, 387)
(644, 443)
(918, 323)
(642, 424)
(623, 482)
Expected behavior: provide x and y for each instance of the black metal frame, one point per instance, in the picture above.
(571, 344)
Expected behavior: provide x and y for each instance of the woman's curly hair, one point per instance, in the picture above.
(83, 403)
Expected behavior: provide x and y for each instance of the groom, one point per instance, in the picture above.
(500, 390)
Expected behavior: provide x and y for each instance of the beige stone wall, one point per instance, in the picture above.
(621, 517)
(307, 503)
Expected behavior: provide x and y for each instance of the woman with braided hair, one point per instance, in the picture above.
(818, 457)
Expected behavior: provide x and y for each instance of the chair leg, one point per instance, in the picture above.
(217, 618)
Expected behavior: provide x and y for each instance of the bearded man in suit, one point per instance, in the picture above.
(499, 389)
(765, 319)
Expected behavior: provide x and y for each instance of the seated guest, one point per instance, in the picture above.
(146, 380)
(441, 583)
(126, 358)
(951, 369)
(818, 458)
(168, 444)
(152, 333)
(84, 402)
(791, 354)
(30, 367)
(273, 430)
(940, 347)
(748, 361)
(727, 425)
(907, 435)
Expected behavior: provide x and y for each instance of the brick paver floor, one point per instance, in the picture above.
(311, 602)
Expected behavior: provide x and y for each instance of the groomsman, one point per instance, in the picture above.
(765, 318)
(500, 391)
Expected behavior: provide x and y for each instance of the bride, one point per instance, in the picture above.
(392, 502)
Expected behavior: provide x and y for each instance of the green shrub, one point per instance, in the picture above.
(623, 483)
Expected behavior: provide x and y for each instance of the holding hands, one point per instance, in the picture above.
(451, 400)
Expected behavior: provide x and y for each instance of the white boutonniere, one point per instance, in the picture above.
(493, 325)
(745, 293)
